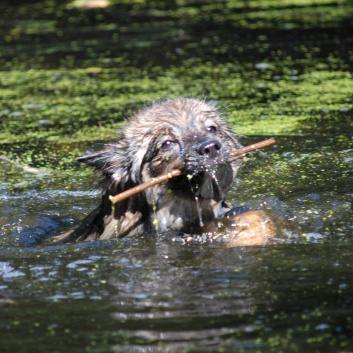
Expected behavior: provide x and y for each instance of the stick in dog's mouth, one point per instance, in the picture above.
(135, 190)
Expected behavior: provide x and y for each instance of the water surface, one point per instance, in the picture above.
(69, 77)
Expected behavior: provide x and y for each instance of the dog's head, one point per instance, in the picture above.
(185, 134)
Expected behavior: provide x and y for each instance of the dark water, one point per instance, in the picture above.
(152, 294)
(160, 297)
(155, 295)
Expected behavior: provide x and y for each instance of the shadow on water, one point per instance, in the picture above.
(69, 76)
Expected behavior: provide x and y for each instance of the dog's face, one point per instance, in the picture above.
(190, 136)
(184, 134)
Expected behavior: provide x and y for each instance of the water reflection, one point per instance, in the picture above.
(148, 294)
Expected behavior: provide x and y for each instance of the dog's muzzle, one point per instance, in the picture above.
(207, 155)
(210, 148)
(209, 168)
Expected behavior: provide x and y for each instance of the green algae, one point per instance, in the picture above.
(62, 90)
(55, 103)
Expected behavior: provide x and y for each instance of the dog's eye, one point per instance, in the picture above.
(166, 145)
(211, 129)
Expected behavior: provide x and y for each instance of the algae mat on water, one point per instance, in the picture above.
(71, 75)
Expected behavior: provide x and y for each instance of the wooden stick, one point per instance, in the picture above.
(253, 147)
(135, 190)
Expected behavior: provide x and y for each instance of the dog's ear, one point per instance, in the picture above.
(113, 164)
(97, 160)
(107, 161)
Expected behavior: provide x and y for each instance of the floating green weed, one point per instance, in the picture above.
(58, 88)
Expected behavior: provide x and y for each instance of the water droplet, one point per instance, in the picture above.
(199, 211)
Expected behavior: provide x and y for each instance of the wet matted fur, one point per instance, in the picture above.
(186, 134)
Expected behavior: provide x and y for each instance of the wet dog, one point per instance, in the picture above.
(185, 134)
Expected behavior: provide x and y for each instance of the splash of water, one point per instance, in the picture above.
(199, 211)
(115, 222)
(155, 219)
(216, 183)
(196, 190)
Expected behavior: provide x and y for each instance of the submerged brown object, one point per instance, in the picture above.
(251, 228)
(135, 190)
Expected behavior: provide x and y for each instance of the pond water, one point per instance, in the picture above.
(70, 75)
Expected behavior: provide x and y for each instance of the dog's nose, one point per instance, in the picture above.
(210, 148)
